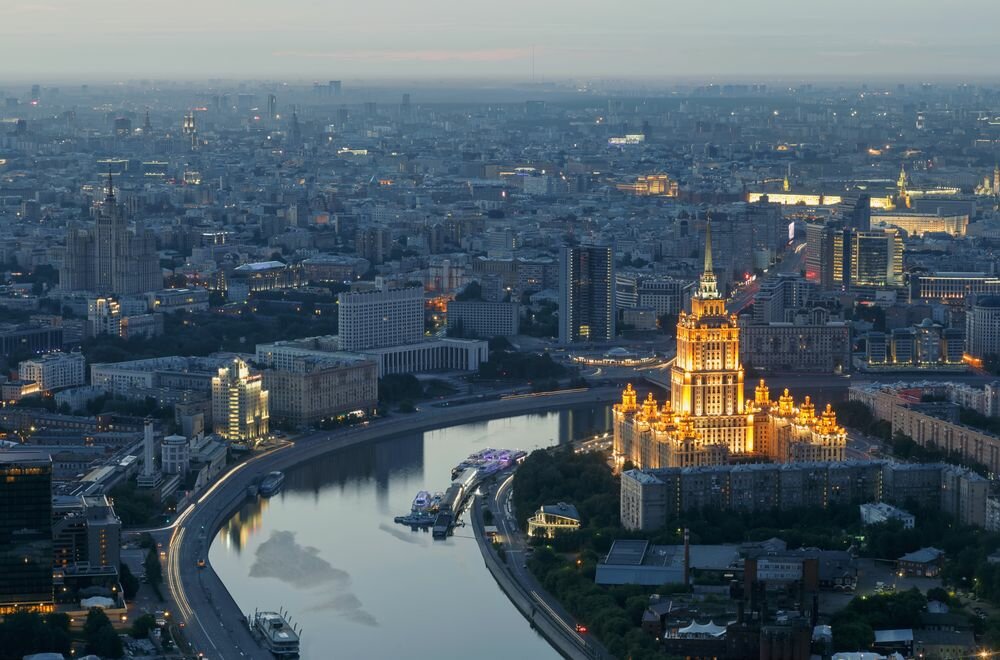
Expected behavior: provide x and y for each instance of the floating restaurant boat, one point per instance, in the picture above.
(276, 634)
(272, 483)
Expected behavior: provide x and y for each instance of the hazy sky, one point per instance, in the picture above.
(323, 39)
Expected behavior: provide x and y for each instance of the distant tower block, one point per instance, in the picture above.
(150, 477)
(334, 88)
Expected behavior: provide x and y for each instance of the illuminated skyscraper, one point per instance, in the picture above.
(587, 294)
(876, 258)
(240, 409)
(706, 421)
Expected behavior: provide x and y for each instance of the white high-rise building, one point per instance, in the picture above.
(240, 410)
(379, 318)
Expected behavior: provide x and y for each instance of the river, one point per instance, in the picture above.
(326, 549)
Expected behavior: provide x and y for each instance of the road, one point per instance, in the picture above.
(213, 621)
(792, 263)
(544, 612)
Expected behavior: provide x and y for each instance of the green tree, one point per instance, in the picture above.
(100, 636)
(154, 570)
(143, 625)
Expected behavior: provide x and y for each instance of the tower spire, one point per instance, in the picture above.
(111, 187)
(708, 287)
(708, 246)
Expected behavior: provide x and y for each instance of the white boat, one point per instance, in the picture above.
(272, 483)
(422, 501)
(276, 634)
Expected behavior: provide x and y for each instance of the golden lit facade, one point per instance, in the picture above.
(240, 406)
(706, 421)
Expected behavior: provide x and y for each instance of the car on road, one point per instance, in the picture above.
(580, 628)
(201, 563)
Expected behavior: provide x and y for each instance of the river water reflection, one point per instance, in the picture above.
(326, 549)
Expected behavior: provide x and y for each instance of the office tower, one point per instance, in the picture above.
(855, 211)
(110, 258)
(876, 258)
(405, 110)
(982, 327)
(272, 107)
(25, 530)
(825, 255)
(334, 87)
(381, 317)
(587, 294)
(240, 409)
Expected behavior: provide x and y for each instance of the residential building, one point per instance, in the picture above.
(809, 343)
(240, 409)
(878, 513)
(111, 258)
(651, 497)
(85, 532)
(587, 294)
(312, 389)
(55, 370)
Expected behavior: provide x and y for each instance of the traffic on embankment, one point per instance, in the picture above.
(214, 625)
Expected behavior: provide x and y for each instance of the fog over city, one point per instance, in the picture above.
(520, 39)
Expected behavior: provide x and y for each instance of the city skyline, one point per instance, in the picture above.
(776, 40)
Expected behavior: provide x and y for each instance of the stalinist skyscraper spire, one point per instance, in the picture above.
(708, 287)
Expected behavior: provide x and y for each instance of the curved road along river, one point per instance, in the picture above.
(214, 622)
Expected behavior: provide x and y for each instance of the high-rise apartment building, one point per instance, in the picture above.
(240, 409)
(373, 244)
(110, 257)
(25, 530)
(587, 294)
(380, 317)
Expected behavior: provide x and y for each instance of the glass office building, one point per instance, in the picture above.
(25, 530)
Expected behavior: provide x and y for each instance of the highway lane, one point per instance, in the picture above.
(213, 621)
(516, 549)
